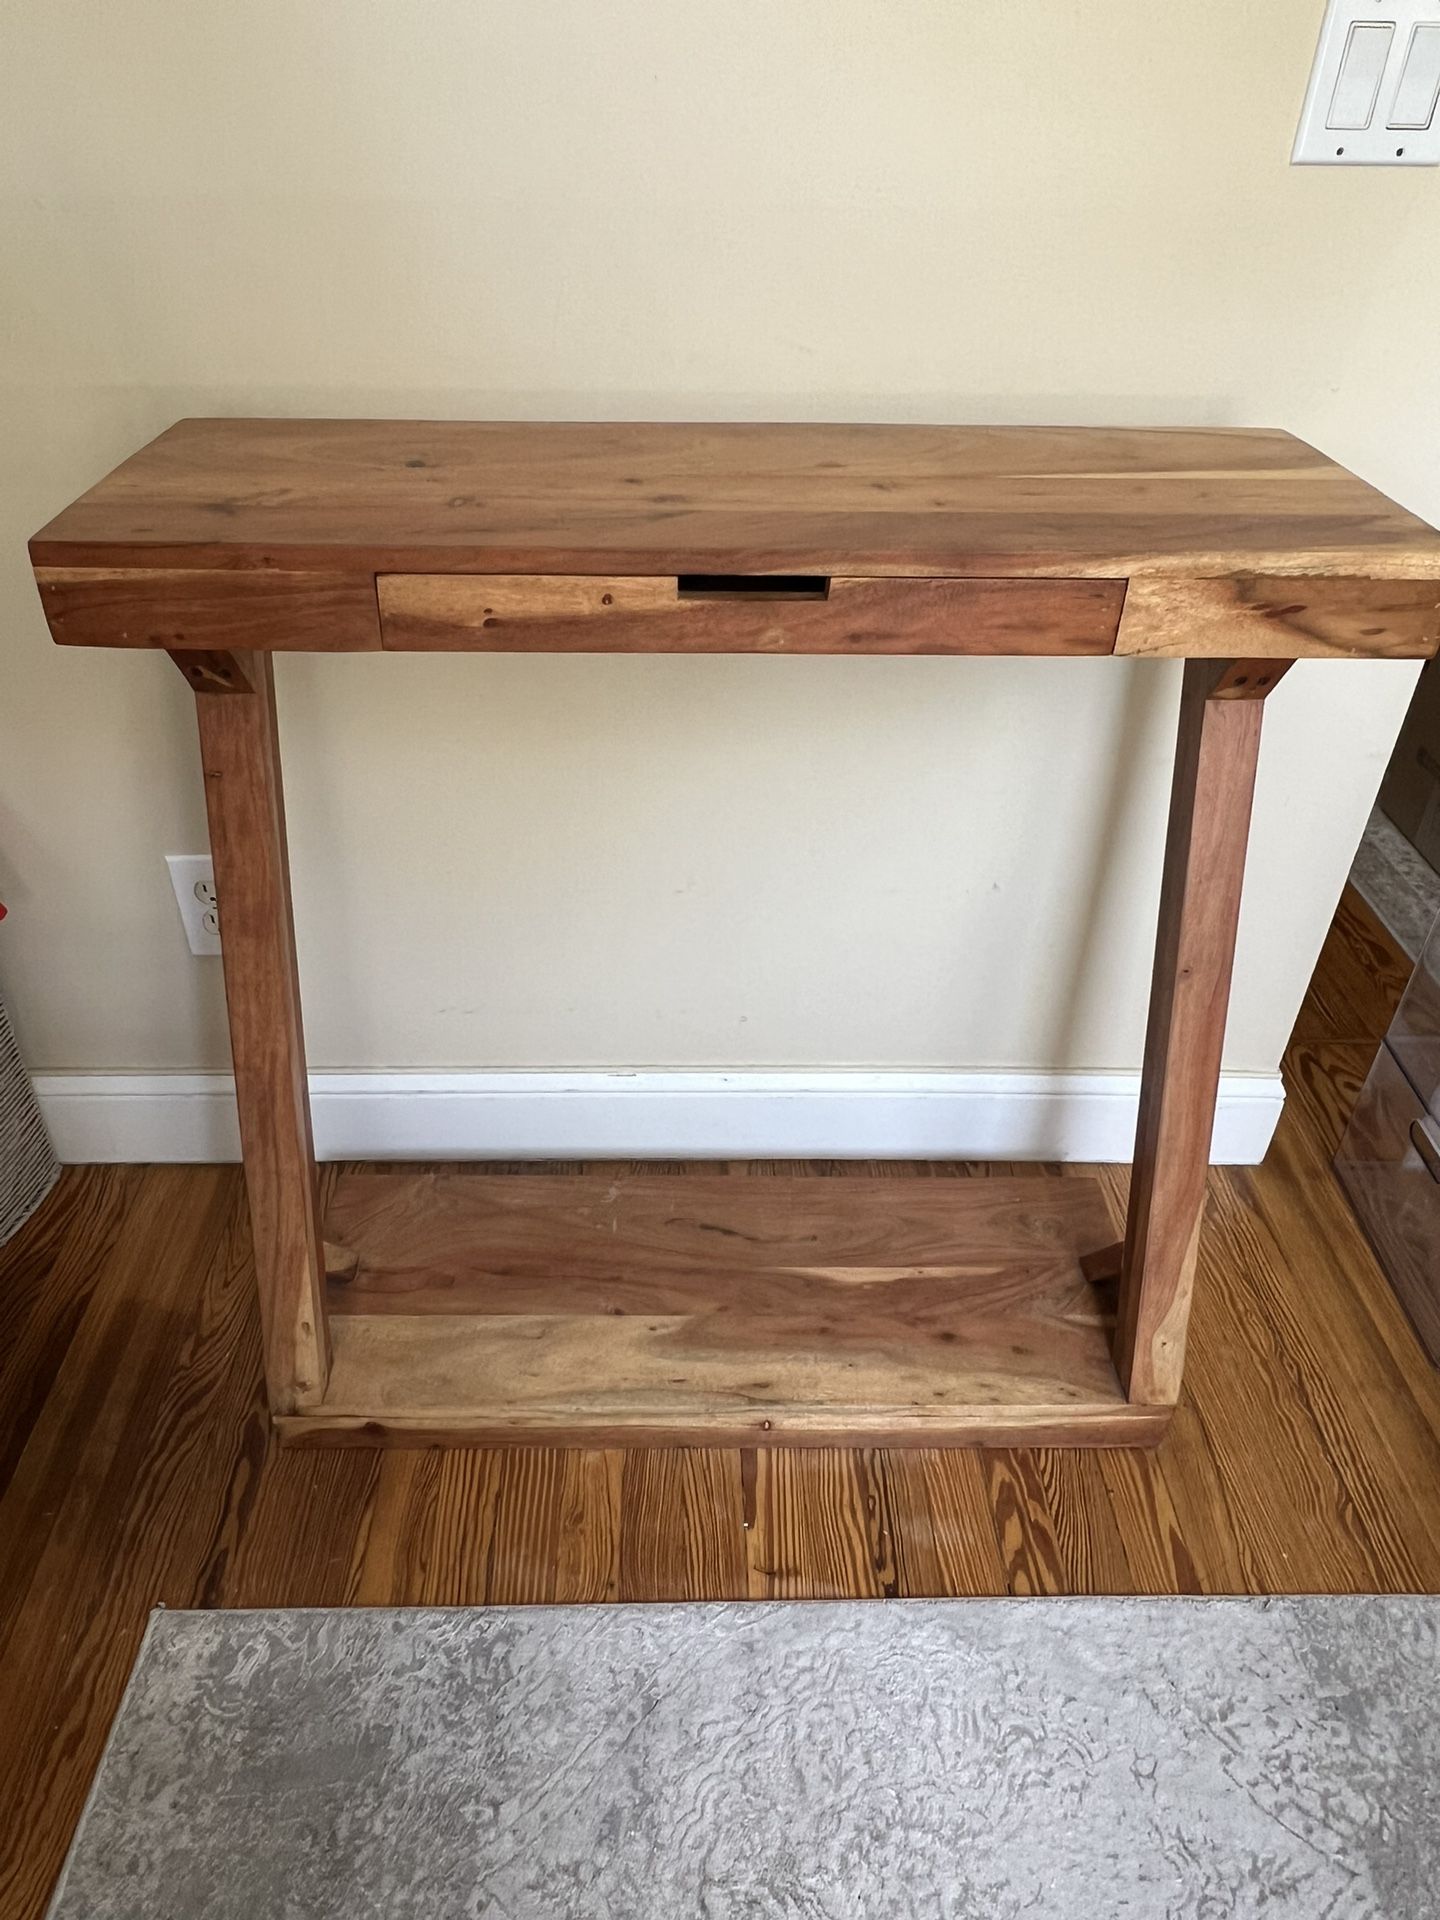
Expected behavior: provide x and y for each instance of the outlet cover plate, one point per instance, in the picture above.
(1377, 144)
(192, 875)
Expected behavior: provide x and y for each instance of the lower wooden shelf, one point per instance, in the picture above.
(720, 1310)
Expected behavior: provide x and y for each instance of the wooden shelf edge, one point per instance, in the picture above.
(1104, 1425)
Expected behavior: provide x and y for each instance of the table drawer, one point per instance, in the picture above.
(738, 613)
(1389, 1165)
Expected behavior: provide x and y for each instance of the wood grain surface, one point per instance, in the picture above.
(153, 607)
(240, 755)
(137, 1466)
(214, 670)
(600, 613)
(1279, 618)
(641, 1243)
(1216, 755)
(599, 1308)
(437, 496)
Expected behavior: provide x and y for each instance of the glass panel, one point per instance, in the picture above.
(1414, 1037)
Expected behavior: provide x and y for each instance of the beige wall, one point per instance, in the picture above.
(774, 208)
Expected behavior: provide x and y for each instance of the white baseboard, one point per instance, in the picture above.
(799, 1114)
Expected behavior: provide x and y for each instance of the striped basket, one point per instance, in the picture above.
(28, 1167)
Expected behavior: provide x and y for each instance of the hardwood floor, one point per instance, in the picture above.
(137, 1468)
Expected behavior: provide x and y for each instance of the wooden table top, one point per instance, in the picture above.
(460, 496)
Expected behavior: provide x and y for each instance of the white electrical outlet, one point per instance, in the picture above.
(1374, 95)
(193, 877)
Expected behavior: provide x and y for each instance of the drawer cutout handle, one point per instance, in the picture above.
(1422, 1138)
(752, 586)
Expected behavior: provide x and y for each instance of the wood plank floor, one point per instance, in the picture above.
(136, 1464)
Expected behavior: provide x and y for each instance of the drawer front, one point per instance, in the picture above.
(590, 613)
(1389, 1165)
(219, 608)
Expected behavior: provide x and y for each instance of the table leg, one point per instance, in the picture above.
(239, 749)
(1215, 758)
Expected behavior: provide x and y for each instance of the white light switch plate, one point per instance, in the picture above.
(1372, 47)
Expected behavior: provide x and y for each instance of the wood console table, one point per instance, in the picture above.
(468, 1307)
